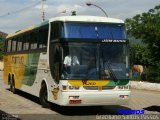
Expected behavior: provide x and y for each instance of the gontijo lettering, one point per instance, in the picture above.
(18, 59)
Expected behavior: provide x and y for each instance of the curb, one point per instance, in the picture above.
(145, 85)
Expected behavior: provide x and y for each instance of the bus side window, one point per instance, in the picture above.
(25, 42)
(40, 38)
(56, 64)
(9, 46)
(33, 40)
(5, 46)
(19, 45)
(43, 37)
(55, 31)
(55, 61)
(14, 45)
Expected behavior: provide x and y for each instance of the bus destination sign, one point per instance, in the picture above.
(107, 40)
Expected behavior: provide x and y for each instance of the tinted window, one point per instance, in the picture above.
(94, 30)
(33, 42)
(14, 45)
(9, 46)
(55, 30)
(19, 44)
(26, 42)
(43, 37)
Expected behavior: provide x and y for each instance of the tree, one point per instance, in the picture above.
(146, 27)
(1, 48)
(2, 37)
(139, 55)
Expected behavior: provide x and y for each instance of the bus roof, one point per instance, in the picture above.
(26, 29)
(86, 19)
(67, 19)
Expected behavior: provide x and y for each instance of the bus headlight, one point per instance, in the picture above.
(124, 87)
(124, 96)
(73, 97)
(120, 87)
(65, 87)
(74, 87)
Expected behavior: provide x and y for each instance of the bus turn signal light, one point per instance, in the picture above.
(64, 87)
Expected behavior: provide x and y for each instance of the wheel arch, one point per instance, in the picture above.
(44, 82)
(44, 101)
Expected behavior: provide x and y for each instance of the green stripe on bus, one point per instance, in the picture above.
(31, 69)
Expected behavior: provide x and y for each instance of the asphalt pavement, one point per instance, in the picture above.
(27, 107)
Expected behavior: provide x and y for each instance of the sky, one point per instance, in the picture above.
(19, 14)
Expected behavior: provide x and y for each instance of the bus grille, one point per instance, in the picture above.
(98, 88)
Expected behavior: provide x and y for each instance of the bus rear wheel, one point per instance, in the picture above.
(12, 86)
(43, 97)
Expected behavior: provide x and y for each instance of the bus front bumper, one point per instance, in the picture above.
(97, 98)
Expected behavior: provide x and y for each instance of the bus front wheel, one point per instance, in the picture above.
(43, 96)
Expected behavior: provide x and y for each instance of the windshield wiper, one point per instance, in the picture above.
(111, 72)
(110, 69)
(92, 70)
(108, 65)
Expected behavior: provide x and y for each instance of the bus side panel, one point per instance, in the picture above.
(7, 68)
(35, 73)
(15, 66)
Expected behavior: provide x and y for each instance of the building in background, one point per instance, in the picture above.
(2, 37)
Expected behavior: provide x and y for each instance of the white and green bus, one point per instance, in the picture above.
(34, 61)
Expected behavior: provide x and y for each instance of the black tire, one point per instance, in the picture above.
(43, 95)
(12, 86)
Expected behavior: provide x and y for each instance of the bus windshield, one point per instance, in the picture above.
(94, 61)
(94, 30)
